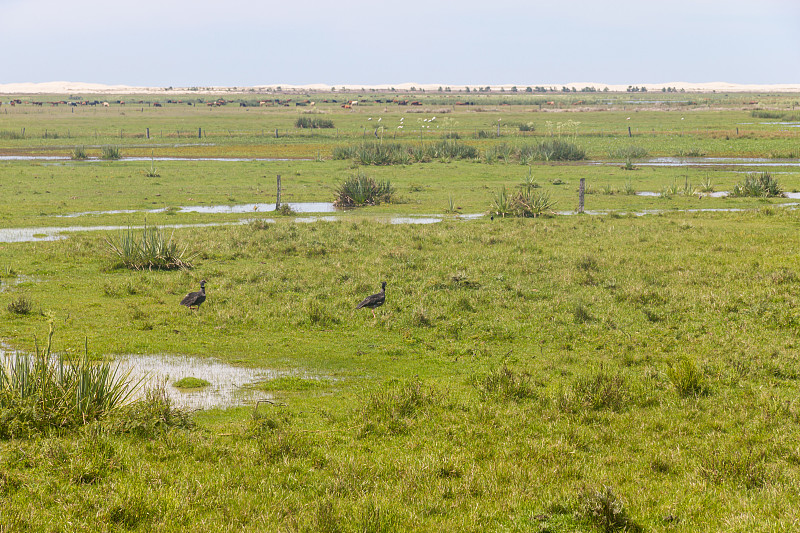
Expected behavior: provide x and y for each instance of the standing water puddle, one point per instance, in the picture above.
(228, 384)
(297, 207)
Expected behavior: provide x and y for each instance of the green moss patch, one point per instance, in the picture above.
(191, 383)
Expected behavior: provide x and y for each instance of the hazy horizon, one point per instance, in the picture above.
(242, 43)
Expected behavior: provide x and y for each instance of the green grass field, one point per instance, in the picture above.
(609, 372)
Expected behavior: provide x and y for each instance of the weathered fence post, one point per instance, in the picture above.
(629, 132)
(199, 133)
(581, 192)
(278, 200)
(148, 133)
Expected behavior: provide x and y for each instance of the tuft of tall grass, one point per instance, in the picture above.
(110, 153)
(79, 153)
(150, 251)
(551, 150)
(606, 510)
(359, 190)
(46, 390)
(506, 384)
(523, 203)
(761, 185)
(20, 306)
(311, 123)
(628, 152)
(687, 378)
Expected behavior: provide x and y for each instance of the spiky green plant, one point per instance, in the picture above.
(79, 153)
(110, 153)
(46, 390)
(360, 189)
(149, 251)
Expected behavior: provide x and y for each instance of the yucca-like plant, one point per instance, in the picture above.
(79, 153)
(110, 153)
(45, 390)
(149, 251)
(360, 189)
(758, 185)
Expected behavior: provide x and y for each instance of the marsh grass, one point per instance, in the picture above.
(359, 190)
(687, 378)
(20, 306)
(191, 383)
(759, 185)
(149, 251)
(79, 153)
(506, 384)
(312, 123)
(49, 391)
(110, 153)
(524, 203)
(606, 510)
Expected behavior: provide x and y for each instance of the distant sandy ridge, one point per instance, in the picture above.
(64, 87)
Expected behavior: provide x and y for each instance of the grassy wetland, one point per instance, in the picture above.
(631, 369)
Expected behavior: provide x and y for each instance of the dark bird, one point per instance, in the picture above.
(375, 300)
(194, 299)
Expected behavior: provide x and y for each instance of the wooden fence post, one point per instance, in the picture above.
(581, 192)
(278, 200)
(199, 133)
(148, 133)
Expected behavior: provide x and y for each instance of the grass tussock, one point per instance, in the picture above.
(110, 153)
(48, 391)
(79, 153)
(360, 189)
(758, 185)
(313, 123)
(20, 306)
(606, 510)
(149, 251)
(506, 384)
(687, 378)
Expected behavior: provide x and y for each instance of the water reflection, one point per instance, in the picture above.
(228, 383)
(297, 207)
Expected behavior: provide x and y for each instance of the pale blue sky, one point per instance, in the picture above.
(240, 42)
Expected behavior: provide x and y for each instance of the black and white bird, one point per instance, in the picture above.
(194, 299)
(374, 301)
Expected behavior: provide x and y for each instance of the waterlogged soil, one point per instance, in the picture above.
(228, 384)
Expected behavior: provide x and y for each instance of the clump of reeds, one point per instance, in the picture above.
(149, 251)
(45, 390)
(20, 306)
(79, 153)
(758, 185)
(552, 150)
(110, 153)
(311, 123)
(628, 152)
(359, 190)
